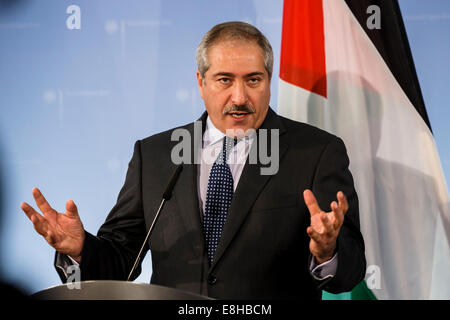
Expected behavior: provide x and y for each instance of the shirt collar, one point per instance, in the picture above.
(212, 135)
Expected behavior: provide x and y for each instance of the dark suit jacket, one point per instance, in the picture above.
(264, 249)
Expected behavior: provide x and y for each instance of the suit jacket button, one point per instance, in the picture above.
(212, 279)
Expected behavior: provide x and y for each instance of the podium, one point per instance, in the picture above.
(114, 290)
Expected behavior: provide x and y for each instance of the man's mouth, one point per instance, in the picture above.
(238, 114)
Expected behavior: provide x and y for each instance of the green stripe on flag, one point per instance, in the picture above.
(360, 292)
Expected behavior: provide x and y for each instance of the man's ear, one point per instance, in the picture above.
(200, 83)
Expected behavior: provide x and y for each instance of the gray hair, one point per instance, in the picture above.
(234, 30)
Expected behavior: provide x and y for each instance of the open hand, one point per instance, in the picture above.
(325, 226)
(63, 231)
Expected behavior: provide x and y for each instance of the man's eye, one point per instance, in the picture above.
(254, 80)
(224, 80)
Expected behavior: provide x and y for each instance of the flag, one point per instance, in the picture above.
(346, 67)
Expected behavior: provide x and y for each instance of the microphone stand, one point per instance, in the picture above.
(166, 196)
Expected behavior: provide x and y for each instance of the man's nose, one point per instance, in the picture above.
(239, 94)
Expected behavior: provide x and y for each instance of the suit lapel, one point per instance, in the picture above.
(187, 193)
(188, 205)
(249, 187)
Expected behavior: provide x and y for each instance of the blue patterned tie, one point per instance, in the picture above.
(218, 198)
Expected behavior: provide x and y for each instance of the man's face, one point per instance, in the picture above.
(236, 87)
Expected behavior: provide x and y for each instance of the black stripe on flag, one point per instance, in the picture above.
(392, 43)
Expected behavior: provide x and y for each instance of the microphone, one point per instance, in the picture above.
(165, 197)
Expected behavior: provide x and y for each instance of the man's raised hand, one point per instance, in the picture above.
(325, 226)
(63, 231)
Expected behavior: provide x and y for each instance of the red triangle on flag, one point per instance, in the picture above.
(303, 45)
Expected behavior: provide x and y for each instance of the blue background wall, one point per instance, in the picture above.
(73, 102)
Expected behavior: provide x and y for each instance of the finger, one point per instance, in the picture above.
(41, 202)
(39, 222)
(311, 202)
(313, 234)
(338, 215)
(29, 211)
(343, 203)
(50, 238)
(71, 209)
(329, 227)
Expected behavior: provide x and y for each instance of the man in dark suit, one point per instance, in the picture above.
(267, 236)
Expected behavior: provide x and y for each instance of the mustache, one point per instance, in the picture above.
(241, 107)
